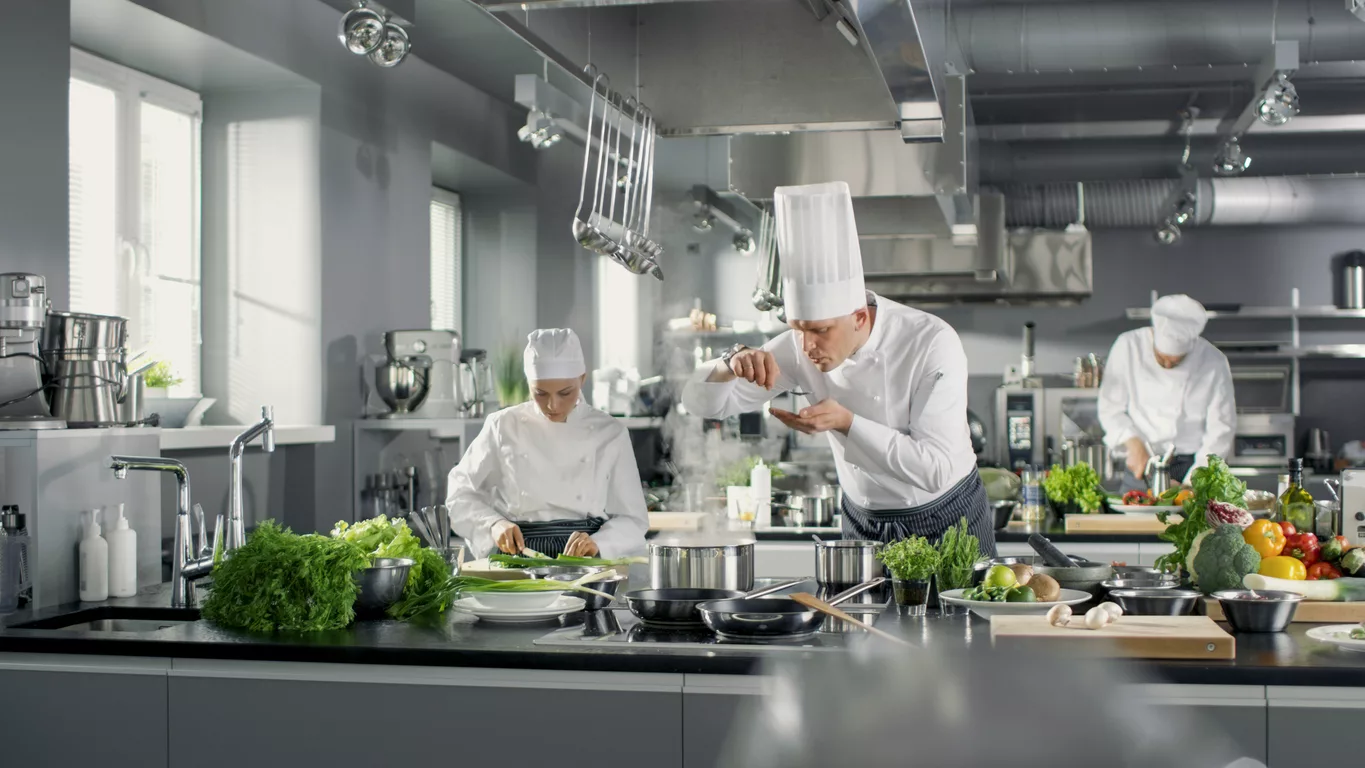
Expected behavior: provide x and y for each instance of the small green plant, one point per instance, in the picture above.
(738, 473)
(161, 375)
(511, 378)
(911, 559)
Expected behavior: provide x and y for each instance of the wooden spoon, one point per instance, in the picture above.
(811, 601)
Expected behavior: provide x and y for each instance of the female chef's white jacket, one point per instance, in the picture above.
(1190, 405)
(523, 467)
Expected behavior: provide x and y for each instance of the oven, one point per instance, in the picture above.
(1264, 436)
(1032, 424)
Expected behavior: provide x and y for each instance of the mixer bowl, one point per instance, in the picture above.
(403, 384)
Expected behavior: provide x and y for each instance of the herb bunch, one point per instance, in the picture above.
(910, 559)
(958, 551)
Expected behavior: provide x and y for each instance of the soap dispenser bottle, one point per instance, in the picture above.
(94, 554)
(122, 558)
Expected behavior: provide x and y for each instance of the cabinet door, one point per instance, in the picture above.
(1316, 731)
(713, 705)
(299, 717)
(87, 713)
(1243, 723)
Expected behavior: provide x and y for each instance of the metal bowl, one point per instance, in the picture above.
(592, 602)
(403, 384)
(1159, 601)
(1143, 572)
(1004, 510)
(1260, 611)
(1086, 578)
(382, 583)
(1140, 583)
(571, 572)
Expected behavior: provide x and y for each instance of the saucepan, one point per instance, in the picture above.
(677, 607)
(770, 618)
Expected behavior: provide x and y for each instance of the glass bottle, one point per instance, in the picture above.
(1031, 508)
(1296, 504)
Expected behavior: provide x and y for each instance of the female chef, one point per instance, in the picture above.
(554, 475)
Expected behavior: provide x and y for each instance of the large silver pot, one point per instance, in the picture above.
(840, 563)
(1092, 453)
(677, 565)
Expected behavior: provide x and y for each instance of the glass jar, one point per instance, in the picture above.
(912, 596)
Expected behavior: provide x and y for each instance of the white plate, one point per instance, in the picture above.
(565, 604)
(517, 601)
(986, 609)
(1139, 509)
(1338, 635)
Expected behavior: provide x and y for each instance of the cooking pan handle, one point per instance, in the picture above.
(775, 588)
(849, 594)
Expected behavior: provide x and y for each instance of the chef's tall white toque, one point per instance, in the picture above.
(817, 239)
(1177, 320)
(553, 353)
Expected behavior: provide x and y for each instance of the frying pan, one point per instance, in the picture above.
(771, 618)
(677, 607)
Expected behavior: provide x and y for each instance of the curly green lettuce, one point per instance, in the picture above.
(1077, 484)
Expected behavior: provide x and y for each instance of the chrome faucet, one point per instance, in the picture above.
(265, 428)
(189, 562)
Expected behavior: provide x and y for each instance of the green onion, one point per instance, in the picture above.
(438, 598)
(518, 561)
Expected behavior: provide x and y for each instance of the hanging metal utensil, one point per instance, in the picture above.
(582, 222)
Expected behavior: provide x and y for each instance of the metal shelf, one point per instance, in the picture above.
(439, 428)
(1266, 313)
(1321, 351)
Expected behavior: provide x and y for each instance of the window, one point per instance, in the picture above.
(446, 258)
(134, 206)
(618, 318)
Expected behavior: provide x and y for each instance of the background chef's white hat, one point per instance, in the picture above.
(817, 240)
(1177, 320)
(553, 353)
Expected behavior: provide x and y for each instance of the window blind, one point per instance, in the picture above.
(446, 261)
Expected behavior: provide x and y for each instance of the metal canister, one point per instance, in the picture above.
(843, 563)
(1353, 280)
(702, 566)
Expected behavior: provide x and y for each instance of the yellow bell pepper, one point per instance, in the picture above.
(1266, 537)
(1283, 567)
(1185, 495)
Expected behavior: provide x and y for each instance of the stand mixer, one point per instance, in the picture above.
(23, 312)
(417, 376)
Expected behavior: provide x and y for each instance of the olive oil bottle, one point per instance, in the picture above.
(1296, 504)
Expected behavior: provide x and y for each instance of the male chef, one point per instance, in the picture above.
(1167, 386)
(887, 383)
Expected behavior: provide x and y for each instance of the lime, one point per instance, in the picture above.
(1000, 576)
(1021, 595)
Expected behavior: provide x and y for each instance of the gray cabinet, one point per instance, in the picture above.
(1325, 725)
(713, 706)
(321, 715)
(1244, 725)
(57, 714)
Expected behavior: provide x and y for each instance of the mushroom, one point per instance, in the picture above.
(1097, 618)
(1059, 615)
(1115, 610)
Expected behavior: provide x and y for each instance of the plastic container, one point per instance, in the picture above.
(122, 558)
(761, 488)
(94, 562)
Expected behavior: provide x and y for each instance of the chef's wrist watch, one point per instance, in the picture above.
(729, 353)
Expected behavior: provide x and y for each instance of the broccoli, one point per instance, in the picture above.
(1219, 558)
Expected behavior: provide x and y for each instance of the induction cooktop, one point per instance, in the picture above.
(617, 626)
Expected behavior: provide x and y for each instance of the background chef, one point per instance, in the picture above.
(1167, 386)
(887, 383)
(552, 475)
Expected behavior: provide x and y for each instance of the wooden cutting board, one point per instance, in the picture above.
(676, 521)
(1116, 523)
(1135, 637)
(1309, 612)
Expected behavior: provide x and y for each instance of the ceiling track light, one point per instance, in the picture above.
(744, 242)
(541, 131)
(1231, 159)
(1168, 233)
(1280, 102)
(703, 220)
(374, 34)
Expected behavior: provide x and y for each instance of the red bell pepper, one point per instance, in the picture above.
(1303, 546)
(1323, 571)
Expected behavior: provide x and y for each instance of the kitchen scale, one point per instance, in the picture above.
(617, 626)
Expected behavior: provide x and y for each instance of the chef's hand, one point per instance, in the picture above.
(824, 416)
(581, 545)
(510, 540)
(756, 365)
(1137, 457)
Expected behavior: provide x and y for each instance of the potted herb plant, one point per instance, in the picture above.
(958, 551)
(912, 562)
(511, 378)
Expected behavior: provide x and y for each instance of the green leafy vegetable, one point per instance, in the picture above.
(383, 537)
(958, 551)
(738, 473)
(160, 375)
(912, 559)
(280, 580)
(1077, 484)
(1214, 482)
(1219, 559)
(511, 377)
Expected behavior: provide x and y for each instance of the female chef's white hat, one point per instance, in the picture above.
(1177, 320)
(553, 353)
(817, 240)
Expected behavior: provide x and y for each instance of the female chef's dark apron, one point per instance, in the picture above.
(1179, 467)
(966, 499)
(549, 538)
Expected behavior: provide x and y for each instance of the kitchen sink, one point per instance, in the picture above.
(116, 619)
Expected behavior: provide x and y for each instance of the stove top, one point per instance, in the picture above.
(617, 626)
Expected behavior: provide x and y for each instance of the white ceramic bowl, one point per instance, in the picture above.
(517, 601)
(986, 609)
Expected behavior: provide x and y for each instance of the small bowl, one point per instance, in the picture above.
(1259, 503)
(1004, 510)
(592, 602)
(1260, 611)
(517, 601)
(557, 571)
(382, 583)
(1086, 578)
(1140, 583)
(1159, 601)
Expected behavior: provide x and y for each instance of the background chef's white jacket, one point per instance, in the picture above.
(1190, 406)
(907, 389)
(523, 467)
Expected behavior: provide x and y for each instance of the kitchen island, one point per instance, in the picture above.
(380, 692)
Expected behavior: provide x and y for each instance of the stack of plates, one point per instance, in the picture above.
(500, 615)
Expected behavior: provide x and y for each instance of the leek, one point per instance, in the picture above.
(1345, 589)
(519, 561)
(438, 598)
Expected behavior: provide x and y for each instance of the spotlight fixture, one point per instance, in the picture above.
(703, 221)
(394, 48)
(1184, 210)
(361, 30)
(1231, 160)
(1168, 233)
(541, 131)
(1280, 103)
(744, 242)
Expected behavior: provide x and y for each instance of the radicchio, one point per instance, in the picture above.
(1223, 513)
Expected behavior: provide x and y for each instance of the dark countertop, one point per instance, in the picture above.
(1015, 532)
(1288, 658)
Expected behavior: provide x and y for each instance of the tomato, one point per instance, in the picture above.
(1266, 537)
(1323, 571)
(1138, 498)
(1288, 528)
(1283, 567)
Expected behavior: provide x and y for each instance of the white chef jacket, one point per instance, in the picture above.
(907, 388)
(1190, 406)
(523, 467)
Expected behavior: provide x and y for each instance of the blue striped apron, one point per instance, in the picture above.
(965, 499)
(549, 538)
